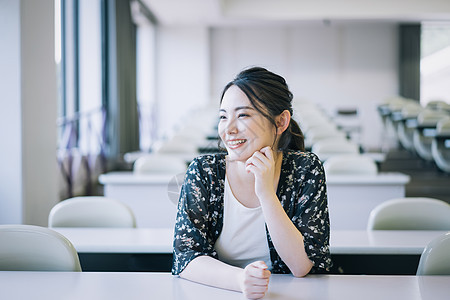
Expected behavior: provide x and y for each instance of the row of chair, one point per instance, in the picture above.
(423, 130)
(414, 213)
(35, 248)
(331, 142)
(32, 248)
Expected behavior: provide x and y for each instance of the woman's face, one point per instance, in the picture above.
(242, 128)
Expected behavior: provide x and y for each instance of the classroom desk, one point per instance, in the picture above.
(111, 286)
(153, 198)
(150, 249)
(351, 198)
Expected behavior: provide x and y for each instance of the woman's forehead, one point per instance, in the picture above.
(234, 97)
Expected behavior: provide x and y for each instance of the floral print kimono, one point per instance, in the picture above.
(301, 191)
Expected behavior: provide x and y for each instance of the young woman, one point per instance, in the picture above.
(262, 207)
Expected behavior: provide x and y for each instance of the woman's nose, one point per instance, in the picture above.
(231, 127)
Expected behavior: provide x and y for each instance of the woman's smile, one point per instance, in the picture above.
(236, 143)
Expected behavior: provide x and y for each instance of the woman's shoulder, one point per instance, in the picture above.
(210, 159)
(301, 157)
(208, 162)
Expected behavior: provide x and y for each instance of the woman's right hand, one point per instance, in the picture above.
(254, 280)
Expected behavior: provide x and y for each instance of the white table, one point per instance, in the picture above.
(111, 286)
(355, 251)
(351, 198)
(152, 198)
(159, 240)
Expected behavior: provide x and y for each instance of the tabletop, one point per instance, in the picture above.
(159, 240)
(383, 178)
(111, 285)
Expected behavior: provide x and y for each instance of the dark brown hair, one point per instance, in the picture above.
(270, 95)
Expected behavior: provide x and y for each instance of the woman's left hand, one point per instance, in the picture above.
(262, 165)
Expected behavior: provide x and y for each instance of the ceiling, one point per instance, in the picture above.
(229, 12)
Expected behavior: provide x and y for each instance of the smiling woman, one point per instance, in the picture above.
(262, 207)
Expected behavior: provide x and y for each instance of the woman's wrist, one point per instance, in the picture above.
(267, 196)
(240, 276)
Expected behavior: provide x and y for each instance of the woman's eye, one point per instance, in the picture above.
(243, 115)
(222, 117)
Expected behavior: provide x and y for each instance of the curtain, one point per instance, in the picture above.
(409, 60)
(122, 131)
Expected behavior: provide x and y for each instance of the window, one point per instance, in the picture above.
(435, 62)
(106, 59)
(145, 57)
(81, 105)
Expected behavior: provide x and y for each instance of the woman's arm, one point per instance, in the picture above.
(253, 281)
(287, 239)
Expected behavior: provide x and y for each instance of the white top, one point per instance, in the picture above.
(144, 285)
(243, 239)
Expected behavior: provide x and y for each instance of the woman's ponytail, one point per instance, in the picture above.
(292, 138)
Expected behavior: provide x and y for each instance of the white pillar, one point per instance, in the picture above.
(28, 93)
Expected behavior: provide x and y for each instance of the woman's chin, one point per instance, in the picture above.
(237, 156)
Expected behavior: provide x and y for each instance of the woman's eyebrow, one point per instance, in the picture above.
(238, 108)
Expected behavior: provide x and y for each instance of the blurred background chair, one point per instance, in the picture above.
(323, 131)
(91, 211)
(350, 164)
(435, 258)
(327, 148)
(34, 248)
(410, 213)
(425, 131)
(160, 164)
(407, 122)
(440, 146)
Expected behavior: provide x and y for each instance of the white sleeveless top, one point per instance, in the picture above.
(243, 239)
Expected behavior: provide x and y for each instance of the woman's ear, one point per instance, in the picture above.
(282, 121)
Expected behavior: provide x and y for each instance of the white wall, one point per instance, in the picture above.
(28, 184)
(334, 65)
(182, 64)
(10, 114)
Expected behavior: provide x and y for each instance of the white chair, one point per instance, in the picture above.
(176, 145)
(440, 146)
(407, 124)
(435, 258)
(317, 133)
(426, 129)
(91, 211)
(410, 213)
(160, 164)
(350, 164)
(327, 148)
(35, 248)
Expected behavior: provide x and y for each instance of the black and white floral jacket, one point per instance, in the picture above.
(301, 191)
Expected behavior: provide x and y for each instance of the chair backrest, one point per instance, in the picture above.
(35, 248)
(160, 164)
(435, 258)
(410, 213)
(91, 211)
(350, 164)
(440, 147)
(327, 148)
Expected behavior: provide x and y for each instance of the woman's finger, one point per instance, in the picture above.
(259, 269)
(267, 151)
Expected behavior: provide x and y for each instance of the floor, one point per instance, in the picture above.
(426, 179)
